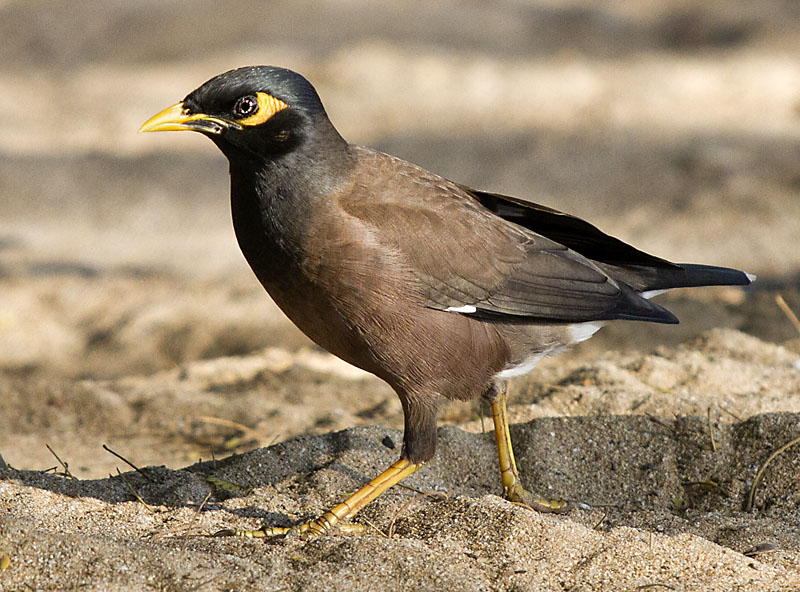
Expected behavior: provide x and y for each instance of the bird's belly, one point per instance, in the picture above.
(320, 321)
(382, 330)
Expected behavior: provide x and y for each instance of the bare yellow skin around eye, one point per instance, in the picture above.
(267, 107)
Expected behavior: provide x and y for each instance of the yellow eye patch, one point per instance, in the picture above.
(267, 107)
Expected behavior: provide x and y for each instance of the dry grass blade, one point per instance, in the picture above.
(135, 493)
(185, 529)
(419, 491)
(731, 413)
(129, 463)
(600, 522)
(404, 507)
(202, 505)
(751, 496)
(374, 527)
(788, 312)
(247, 433)
(707, 485)
(711, 431)
(656, 420)
(67, 474)
(588, 559)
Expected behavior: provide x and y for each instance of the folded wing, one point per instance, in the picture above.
(504, 259)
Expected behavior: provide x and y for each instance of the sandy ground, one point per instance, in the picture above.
(129, 319)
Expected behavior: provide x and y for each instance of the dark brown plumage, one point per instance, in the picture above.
(440, 290)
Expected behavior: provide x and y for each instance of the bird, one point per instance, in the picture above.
(443, 291)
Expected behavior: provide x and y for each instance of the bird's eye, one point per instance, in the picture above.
(245, 106)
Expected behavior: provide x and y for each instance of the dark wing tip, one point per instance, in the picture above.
(633, 306)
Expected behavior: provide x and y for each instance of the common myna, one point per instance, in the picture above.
(441, 290)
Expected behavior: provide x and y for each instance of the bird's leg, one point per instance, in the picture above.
(512, 486)
(342, 513)
(419, 446)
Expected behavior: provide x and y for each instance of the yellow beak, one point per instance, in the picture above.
(175, 119)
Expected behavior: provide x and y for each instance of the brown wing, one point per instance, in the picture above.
(467, 259)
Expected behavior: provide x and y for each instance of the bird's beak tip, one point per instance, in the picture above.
(170, 119)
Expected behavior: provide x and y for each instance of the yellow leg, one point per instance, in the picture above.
(512, 486)
(342, 513)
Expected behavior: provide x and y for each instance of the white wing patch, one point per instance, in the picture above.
(465, 309)
(651, 293)
(583, 331)
(578, 332)
(523, 368)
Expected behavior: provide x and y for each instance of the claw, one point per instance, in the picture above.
(546, 506)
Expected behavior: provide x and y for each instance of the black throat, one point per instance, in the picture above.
(272, 200)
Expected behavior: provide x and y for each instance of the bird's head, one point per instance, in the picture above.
(260, 112)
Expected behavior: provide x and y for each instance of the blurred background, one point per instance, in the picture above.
(672, 125)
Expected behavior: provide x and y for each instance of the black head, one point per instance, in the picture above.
(260, 112)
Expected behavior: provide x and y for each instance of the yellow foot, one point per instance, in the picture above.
(518, 495)
(312, 528)
(340, 515)
(512, 487)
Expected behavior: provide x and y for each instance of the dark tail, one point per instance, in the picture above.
(708, 275)
(683, 275)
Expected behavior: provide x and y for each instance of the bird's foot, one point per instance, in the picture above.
(337, 518)
(519, 495)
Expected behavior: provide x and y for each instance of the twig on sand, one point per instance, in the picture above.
(135, 493)
(415, 490)
(202, 504)
(404, 507)
(600, 522)
(731, 413)
(656, 420)
(184, 529)
(711, 431)
(129, 463)
(751, 496)
(248, 433)
(67, 474)
(787, 311)
(374, 527)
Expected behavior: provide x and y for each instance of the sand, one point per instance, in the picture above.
(129, 319)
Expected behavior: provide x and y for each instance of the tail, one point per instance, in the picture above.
(647, 279)
(694, 275)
